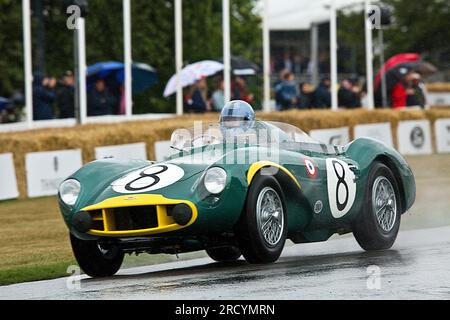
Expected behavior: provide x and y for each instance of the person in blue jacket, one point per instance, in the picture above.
(43, 97)
(287, 92)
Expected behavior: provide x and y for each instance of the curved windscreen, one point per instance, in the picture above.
(260, 133)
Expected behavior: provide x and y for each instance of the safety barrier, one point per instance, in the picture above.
(32, 163)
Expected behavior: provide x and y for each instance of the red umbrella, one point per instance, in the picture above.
(393, 62)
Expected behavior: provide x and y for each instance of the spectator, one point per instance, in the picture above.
(348, 96)
(239, 90)
(281, 76)
(300, 64)
(43, 97)
(401, 91)
(286, 92)
(218, 98)
(65, 98)
(287, 61)
(100, 100)
(322, 94)
(305, 97)
(198, 102)
(417, 98)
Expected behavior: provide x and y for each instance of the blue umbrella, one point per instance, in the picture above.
(4, 103)
(144, 76)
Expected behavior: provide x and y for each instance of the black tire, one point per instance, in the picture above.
(250, 238)
(367, 230)
(224, 254)
(93, 261)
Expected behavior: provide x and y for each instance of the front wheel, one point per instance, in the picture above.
(377, 226)
(224, 254)
(262, 229)
(95, 259)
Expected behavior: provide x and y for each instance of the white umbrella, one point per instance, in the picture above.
(192, 73)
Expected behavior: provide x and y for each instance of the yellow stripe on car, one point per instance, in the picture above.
(255, 167)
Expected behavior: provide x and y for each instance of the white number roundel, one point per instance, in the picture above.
(341, 187)
(150, 178)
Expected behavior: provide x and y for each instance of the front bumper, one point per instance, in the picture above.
(136, 215)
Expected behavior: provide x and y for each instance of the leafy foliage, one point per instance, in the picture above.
(418, 26)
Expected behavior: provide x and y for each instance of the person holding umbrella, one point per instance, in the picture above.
(198, 102)
(402, 91)
(418, 98)
(100, 100)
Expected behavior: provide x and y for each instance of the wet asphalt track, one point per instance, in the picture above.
(418, 266)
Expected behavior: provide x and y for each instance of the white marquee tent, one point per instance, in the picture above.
(301, 14)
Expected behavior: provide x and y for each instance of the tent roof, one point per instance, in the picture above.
(300, 14)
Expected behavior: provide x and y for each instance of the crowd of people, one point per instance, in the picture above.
(200, 99)
(410, 91)
(290, 94)
(299, 63)
(56, 99)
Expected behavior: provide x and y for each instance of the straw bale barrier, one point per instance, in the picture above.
(88, 137)
(438, 87)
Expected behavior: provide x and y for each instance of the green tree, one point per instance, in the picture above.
(418, 26)
(11, 49)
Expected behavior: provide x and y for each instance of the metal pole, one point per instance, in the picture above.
(226, 49)
(28, 77)
(333, 56)
(315, 54)
(369, 57)
(179, 52)
(38, 11)
(82, 91)
(266, 57)
(127, 58)
(383, 73)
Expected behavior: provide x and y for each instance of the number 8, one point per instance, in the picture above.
(341, 181)
(142, 174)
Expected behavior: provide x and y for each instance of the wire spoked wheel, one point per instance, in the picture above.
(269, 216)
(384, 203)
(261, 231)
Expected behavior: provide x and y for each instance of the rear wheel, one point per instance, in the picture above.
(262, 229)
(377, 226)
(224, 254)
(95, 259)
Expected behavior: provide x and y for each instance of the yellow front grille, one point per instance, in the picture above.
(107, 220)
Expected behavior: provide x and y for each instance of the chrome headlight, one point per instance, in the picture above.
(69, 191)
(215, 180)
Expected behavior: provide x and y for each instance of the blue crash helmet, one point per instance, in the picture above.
(237, 117)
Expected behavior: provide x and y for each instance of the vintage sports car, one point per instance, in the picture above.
(240, 186)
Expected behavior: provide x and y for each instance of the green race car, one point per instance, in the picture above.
(240, 186)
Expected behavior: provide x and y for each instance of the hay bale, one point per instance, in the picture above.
(88, 137)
